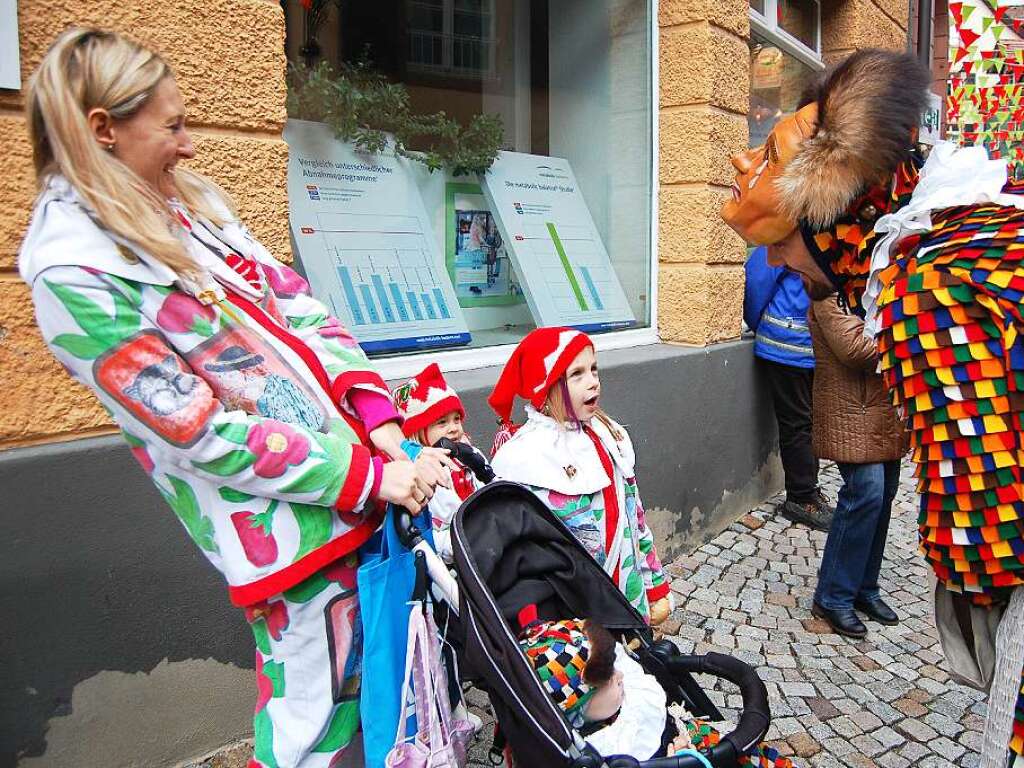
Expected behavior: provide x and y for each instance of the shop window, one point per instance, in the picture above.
(557, 232)
(795, 24)
(783, 60)
(799, 18)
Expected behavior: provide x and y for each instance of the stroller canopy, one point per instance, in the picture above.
(511, 551)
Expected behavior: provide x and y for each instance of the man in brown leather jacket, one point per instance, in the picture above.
(855, 425)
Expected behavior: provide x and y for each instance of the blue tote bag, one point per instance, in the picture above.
(386, 576)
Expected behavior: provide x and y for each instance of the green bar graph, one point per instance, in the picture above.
(566, 265)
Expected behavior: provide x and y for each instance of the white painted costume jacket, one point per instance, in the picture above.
(586, 478)
(233, 390)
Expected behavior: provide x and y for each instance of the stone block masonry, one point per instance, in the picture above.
(229, 59)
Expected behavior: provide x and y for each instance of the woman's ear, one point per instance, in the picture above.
(102, 126)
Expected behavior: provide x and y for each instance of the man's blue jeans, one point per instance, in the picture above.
(856, 539)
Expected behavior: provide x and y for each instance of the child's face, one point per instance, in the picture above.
(449, 425)
(583, 384)
(606, 701)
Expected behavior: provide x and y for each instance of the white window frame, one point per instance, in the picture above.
(767, 25)
(447, 66)
(452, 360)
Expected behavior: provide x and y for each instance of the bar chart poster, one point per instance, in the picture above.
(555, 247)
(362, 233)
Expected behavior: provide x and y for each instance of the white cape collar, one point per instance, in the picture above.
(951, 176)
(546, 454)
(63, 232)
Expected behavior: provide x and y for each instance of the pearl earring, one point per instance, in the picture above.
(109, 147)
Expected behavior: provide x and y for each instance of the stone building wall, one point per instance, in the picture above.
(229, 58)
(704, 81)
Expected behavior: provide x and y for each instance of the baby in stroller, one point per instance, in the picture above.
(512, 551)
(609, 698)
(604, 693)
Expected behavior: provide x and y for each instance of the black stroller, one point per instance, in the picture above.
(510, 551)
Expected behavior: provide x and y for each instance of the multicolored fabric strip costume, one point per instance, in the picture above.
(705, 736)
(952, 355)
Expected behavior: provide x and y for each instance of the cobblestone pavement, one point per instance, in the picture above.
(884, 700)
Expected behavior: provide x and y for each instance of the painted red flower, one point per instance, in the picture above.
(255, 533)
(285, 281)
(560, 500)
(264, 685)
(343, 571)
(276, 446)
(274, 614)
(180, 313)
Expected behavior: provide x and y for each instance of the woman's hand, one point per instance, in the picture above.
(435, 466)
(660, 609)
(388, 438)
(400, 483)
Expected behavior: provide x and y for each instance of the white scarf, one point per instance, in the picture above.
(951, 176)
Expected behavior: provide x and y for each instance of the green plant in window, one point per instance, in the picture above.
(364, 108)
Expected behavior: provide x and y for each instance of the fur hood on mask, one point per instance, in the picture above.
(869, 107)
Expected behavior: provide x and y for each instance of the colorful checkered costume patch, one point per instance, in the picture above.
(705, 737)
(558, 651)
(952, 356)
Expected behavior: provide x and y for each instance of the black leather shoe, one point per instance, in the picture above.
(844, 621)
(877, 610)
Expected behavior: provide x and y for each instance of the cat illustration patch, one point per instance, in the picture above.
(146, 377)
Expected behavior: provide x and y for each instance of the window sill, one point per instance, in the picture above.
(405, 366)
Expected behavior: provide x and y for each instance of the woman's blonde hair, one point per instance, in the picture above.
(87, 69)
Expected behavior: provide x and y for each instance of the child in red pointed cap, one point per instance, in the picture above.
(431, 410)
(578, 460)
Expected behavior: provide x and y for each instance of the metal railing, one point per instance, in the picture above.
(459, 55)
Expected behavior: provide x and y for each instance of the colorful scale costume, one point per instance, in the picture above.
(931, 257)
(951, 312)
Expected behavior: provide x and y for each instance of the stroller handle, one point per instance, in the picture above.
(750, 730)
(469, 458)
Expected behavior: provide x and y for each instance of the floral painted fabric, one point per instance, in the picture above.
(639, 573)
(237, 408)
(308, 670)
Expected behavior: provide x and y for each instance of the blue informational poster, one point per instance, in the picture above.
(557, 252)
(362, 235)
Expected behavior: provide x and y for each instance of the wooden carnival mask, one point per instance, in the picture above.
(754, 210)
